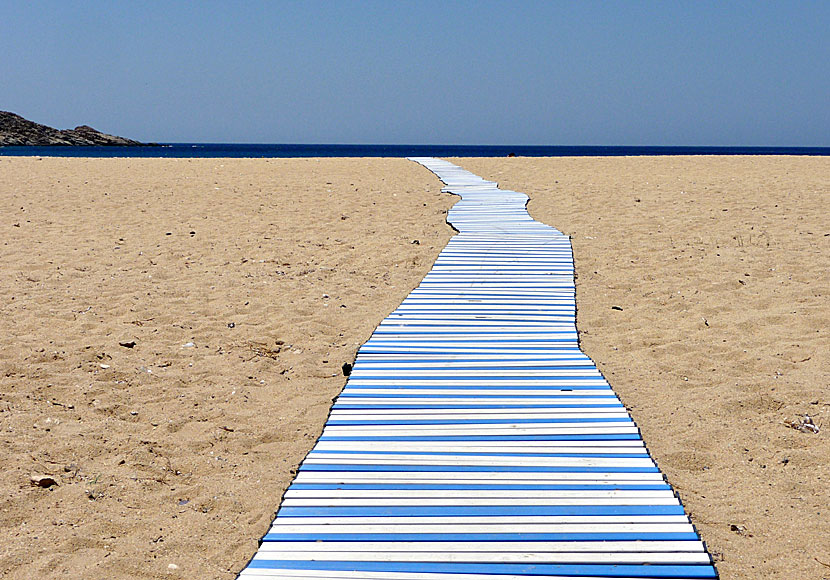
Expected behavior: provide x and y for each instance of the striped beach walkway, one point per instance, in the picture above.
(474, 440)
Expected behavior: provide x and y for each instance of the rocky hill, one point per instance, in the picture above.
(15, 130)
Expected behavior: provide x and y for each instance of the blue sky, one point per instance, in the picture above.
(554, 73)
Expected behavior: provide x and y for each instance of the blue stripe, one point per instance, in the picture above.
(490, 486)
(544, 392)
(633, 571)
(496, 379)
(367, 365)
(562, 308)
(380, 407)
(391, 349)
(532, 362)
(472, 269)
(493, 510)
(479, 454)
(476, 293)
(417, 384)
(472, 468)
(462, 341)
(342, 422)
(403, 394)
(566, 295)
(484, 537)
(483, 364)
(467, 314)
(402, 331)
(591, 437)
(494, 281)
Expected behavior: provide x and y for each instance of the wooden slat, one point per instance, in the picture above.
(277, 552)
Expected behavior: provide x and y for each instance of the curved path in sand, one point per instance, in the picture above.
(474, 440)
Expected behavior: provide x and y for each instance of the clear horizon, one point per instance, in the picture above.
(484, 144)
(746, 74)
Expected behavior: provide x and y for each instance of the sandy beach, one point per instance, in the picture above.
(175, 330)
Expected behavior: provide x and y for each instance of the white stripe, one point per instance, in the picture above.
(576, 523)
(517, 417)
(273, 552)
(485, 528)
(373, 432)
(499, 547)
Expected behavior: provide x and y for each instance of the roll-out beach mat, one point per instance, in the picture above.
(474, 440)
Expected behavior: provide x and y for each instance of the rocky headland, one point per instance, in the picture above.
(15, 130)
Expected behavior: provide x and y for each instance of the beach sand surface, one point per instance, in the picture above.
(702, 295)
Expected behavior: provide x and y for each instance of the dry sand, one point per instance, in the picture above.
(171, 454)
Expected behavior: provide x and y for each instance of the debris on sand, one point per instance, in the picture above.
(804, 424)
(45, 481)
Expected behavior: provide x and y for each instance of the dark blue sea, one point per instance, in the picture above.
(287, 150)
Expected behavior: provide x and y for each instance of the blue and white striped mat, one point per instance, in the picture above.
(474, 440)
